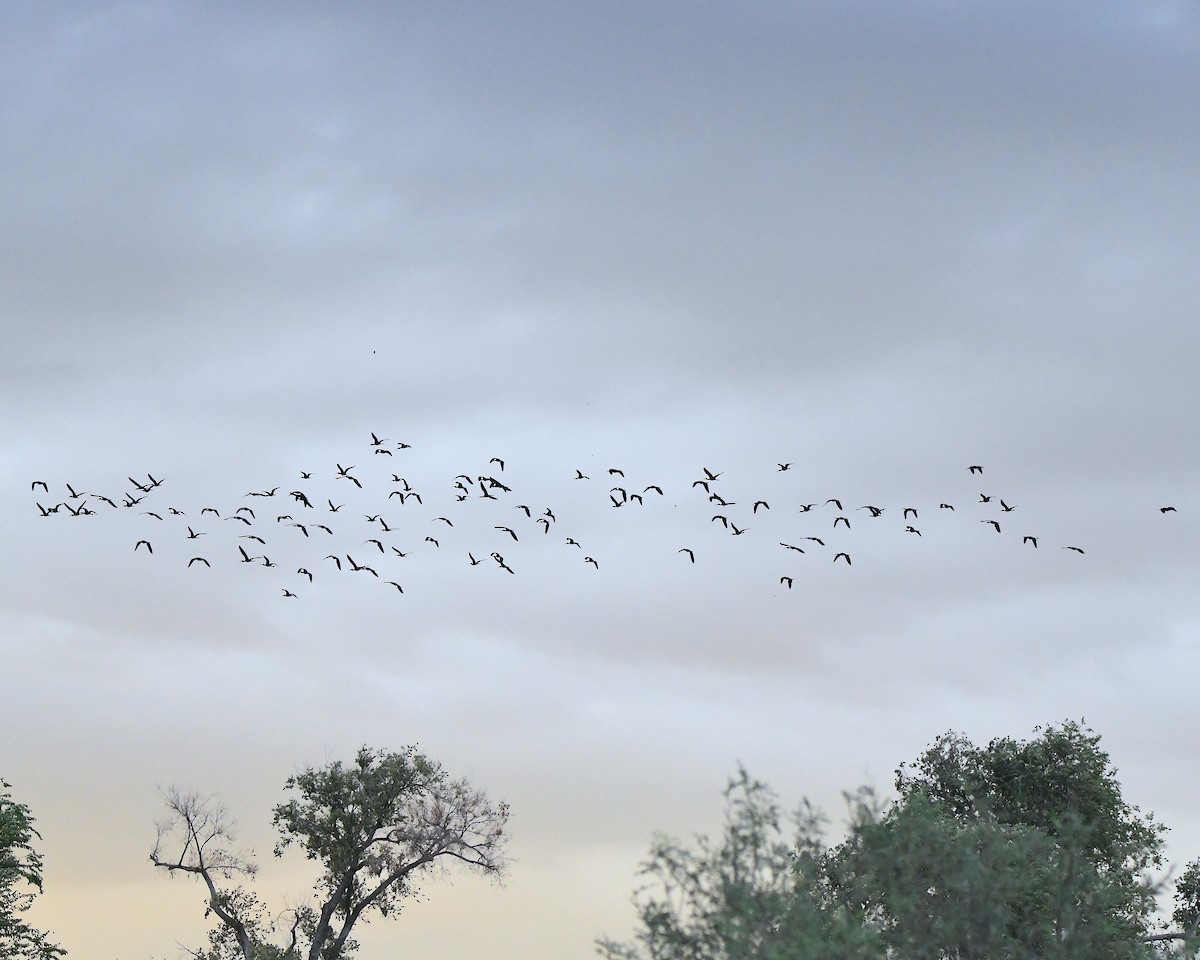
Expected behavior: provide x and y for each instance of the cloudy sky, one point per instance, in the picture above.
(877, 241)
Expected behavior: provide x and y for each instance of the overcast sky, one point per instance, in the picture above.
(879, 242)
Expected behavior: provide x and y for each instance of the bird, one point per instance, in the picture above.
(1076, 549)
(381, 450)
(444, 520)
(655, 487)
(784, 466)
(975, 469)
(572, 542)
(474, 562)
(246, 558)
(151, 513)
(912, 529)
(1006, 508)
(737, 531)
(816, 540)
(396, 585)
(845, 555)
(1167, 510)
(836, 502)
(580, 475)
(787, 580)
(39, 483)
(907, 511)
(377, 543)
(377, 441)
(993, 523)
(1032, 540)
(760, 503)
(615, 472)
(875, 511)
(433, 541)
(337, 560)
(522, 506)
(709, 475)
(201, 559)
(305, 572)
(287, 592)
(945, 506)
(146, 542)
(843, 519)
(193, 535)
(592, 562)
(691, 555)
(724, 520)
(985, 498)
(791, 547)
(509, 531)
(805, 507)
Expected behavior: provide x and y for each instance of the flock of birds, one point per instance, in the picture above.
(322, 519)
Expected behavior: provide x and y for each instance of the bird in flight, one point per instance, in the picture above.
(975, 469)
(691, 555)
(787, 580)
(844, 556)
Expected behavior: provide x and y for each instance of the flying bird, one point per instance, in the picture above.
(691, 555)
(592, 562)
(146, 542)
(201, 559)
(787, 580)
(844, 555)
(1032, 540)
(993, 523)
(975, 469)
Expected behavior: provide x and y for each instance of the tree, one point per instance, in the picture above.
(375, 827)
(1015, 850)
(20, 882)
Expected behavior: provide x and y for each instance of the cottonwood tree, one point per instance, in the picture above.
(1010, 851)
(376, 828)
(20, 882)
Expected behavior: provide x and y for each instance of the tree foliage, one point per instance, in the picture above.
(375, 828)
(1015, 850)
(20, 882)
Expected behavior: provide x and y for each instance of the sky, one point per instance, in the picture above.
(877, 242)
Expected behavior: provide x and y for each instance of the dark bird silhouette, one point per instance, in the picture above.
(304, 572)
(786, 580)
(193, 535)
(381, 450)
(805, 507)
(547, 513)
(262, 493)
(39, 483)
(837, 503)
(287, 592)
(396, 585)
(255, 537)
(791, 547)
(724, 520)
(1006, 508)
(246, 558)
(846, 556)
(521, 506)
(717, 498)
(843, 520)
(784, 466)
(909, 510)
(709, 475)
(474, 562)
(332, 508)
(737, 531)
(337, 560)
(911, 529)
(209, 510)
(444, 520)
(545, 524)
(615, 472)
(816, 540)
(201, 560)
(760, 503)
(378, 441)
(1032, 540)
(984, 498)
(151, 513)
(500, 560)
(655, 487)
(76, 496)
(243, 519)
(376, 542)
(497, 460)
(993, 523)
(431, 540)
(691, 555)
(592, 562)
(700, 483)
(572, 542)
(398, 552)
(580, 475)
(268, 562)
(975, 469)
(1076, 549)
(875, 511)
(303, 529)
(945, 506)
(146, 542)
(509, 531)
(1167, 510)
(346, 476)
(321, 526)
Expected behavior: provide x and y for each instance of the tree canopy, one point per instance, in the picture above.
(20, 882)
(375, 828)
(1013, 850)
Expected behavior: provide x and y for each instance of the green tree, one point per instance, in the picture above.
(375, 828)
(1015, 850)
(20, 882)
